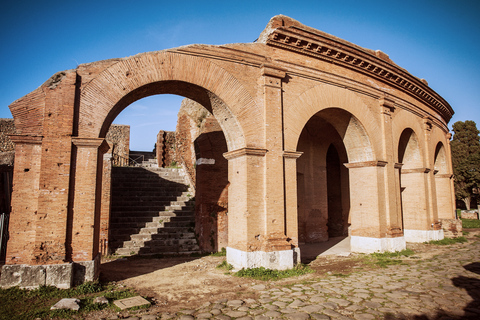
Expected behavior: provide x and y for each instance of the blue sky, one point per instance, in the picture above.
(436, 40)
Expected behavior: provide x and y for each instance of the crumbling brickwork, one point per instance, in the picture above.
(165, 149)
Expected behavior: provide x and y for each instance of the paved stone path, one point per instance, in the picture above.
(444, 287)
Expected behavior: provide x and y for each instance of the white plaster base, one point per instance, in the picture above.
(422, 235)
(371, 245)
(278, 260)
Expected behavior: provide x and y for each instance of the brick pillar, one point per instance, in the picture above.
(370, 230)
(431, 201)
(105, 207)
(431, 197)
(52, 215)
(290, 162)
(391, 183)
(246, 220)
(26, 179)
(87, 198)
(275, 232)
(257, 232)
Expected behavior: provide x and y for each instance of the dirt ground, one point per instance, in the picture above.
(180, 283)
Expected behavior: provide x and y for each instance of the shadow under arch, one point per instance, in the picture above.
(323, 189)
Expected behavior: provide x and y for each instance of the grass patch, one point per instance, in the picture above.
(340, 275)
(448, 241)
(225, 266)
(385, 259)
(269, 274)
(470, 223)
(23, 304)
(221, 253)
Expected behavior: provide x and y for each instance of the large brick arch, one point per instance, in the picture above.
(328, 101)
(173, 73)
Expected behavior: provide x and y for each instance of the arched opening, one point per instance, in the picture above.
(413, 191)
(171, 206)
(443, 185)
(323, 190)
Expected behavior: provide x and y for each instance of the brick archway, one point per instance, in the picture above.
(318, 100)
(197, 78)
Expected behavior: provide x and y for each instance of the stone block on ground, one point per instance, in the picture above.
(67, 303)
(59, 275)
(136, 301)
(22, 275)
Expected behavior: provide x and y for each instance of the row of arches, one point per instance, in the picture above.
(306, 160)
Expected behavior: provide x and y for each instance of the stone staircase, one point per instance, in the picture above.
(152, 212)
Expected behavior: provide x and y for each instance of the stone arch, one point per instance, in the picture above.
(413, 186)
(340, 107)
(440, 159)
(409, 151)
(443, 184)
(168, 72)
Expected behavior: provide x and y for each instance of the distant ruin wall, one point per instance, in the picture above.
(118, 137)
(7, 127)
(199, 147)
(165, 149)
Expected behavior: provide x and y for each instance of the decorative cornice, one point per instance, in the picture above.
(245, 152)
(25, 139)
(99, 143)
(416, 170)
(364, 164)
(377, 66)
(292, 154)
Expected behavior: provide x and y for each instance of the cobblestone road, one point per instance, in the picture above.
(444, 287)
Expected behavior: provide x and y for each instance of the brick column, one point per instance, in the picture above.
(26, 180)
(105, 207)
(392, 202)
(87, 197)
(370, 228)
(291, 220)
(275, 231)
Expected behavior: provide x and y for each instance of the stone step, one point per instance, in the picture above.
(143, 203)
(126, 252)
(163, 235)
(146, 197)
(153, 214)
(118, 221)
(159, 243)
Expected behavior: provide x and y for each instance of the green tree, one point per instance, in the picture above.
(466, 160)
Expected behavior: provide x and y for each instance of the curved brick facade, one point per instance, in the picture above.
(308, 119)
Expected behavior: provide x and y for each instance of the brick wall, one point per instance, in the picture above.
(199, 147)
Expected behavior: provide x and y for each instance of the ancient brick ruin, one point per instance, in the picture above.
(320, 138)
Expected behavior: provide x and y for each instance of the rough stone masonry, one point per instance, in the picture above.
(323, 138)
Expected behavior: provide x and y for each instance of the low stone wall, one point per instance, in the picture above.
(469, 214)
(452, 228)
